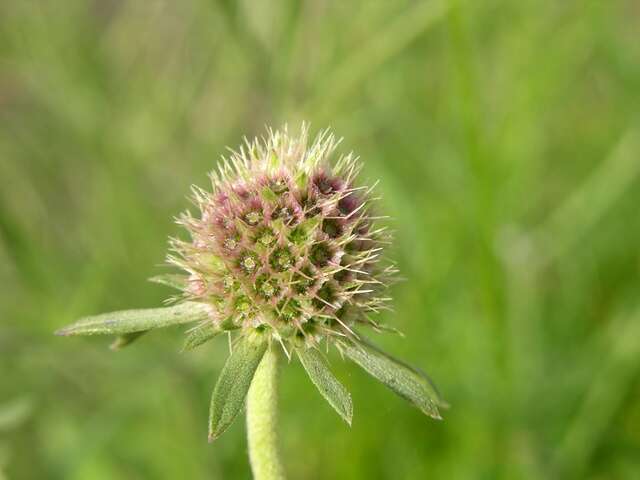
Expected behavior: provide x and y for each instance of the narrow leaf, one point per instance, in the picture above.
(173, 280)
(200, 335)
(122, 341)
(233, 385)
(328, 386)
(406, 381)
(128, 321)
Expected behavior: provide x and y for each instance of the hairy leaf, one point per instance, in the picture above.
(129, 321)
(233, 385)
(200, 335)
(406, 381)
(328, 386)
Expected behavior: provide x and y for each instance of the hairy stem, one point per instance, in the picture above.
(262, 405)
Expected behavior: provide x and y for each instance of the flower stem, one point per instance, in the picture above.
(262, 405)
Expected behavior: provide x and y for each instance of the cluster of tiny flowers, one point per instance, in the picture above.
(285, 243)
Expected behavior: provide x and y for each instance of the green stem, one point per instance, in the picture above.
(262, 405)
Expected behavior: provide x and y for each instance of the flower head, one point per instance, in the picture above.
(284, 250)
(285, 243)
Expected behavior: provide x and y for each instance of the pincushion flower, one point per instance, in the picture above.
(284, 254)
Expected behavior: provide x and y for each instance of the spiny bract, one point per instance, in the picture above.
(285, 242)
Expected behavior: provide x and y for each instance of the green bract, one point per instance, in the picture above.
(283, 251)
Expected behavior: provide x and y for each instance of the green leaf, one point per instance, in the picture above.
(122, 341)
(328, 386)
(406, 381)
(129, 321)
(233, 385)
(173, 280)
(200, 335)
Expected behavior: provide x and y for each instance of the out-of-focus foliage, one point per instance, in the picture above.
(507, 140)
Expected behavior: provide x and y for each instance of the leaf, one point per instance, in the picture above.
(233, 385)
(126, 339)
(406, 381)
(200, 335)
(173, 280)
(328, 386)
(128, 321)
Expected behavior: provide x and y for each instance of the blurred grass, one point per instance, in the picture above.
(507, 139)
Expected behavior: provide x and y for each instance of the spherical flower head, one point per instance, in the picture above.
(285, 243)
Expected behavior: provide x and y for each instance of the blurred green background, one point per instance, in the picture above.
(506, 136)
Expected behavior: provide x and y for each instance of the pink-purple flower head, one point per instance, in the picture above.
(285, 243)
